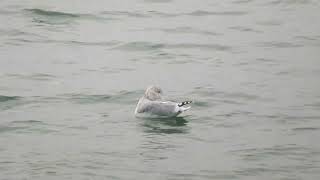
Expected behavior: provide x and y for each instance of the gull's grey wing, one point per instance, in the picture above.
(159, 108)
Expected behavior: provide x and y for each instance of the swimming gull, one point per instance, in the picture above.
(151, 103)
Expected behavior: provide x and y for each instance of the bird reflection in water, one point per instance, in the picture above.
(165, 125)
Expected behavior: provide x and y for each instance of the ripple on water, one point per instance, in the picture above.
(273, 44)
(43, 12)
(149, 46)
(26, 126)
(8, 98)
(221, 13)
(184, 30)
(34, 76)
(306, 129)
(9, 102)
(121, 97)
(175, 125)
(43, 16)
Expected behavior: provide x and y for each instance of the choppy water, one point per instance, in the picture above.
(71, 73)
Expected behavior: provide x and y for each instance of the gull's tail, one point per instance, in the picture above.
(184, 103)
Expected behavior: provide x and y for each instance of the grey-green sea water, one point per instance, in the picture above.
(71, 73)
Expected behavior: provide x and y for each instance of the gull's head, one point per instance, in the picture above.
(153, 93)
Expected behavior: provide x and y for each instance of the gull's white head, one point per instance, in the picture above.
(153, 93)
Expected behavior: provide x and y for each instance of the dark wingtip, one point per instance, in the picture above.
(184, 103)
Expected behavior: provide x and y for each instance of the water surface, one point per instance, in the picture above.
(71, 74)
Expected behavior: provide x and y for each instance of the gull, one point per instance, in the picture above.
(151, 103)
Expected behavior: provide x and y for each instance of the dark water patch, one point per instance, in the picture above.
(9, 102)
(43, 12)
(9, 98)
(49, 17)
(175, 125)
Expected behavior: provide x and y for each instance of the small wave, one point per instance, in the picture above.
(4, 129)
(8, 98)
(125, 13)
(147, 46)
(81, 43)
(277, 150)
(306, 129)
(242, 1)
(9, 102)
(278, 45)
(34, 76)
(186, 30)
(245, 29)
(120, 97)
(270, 23)
(289, 2)
(20, 41)
(60, 18)
(27, 122)
(52, 13)
(139, 46)
(222, 13)
(202, 104)
(85, 98)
